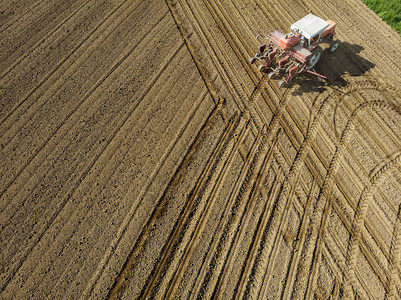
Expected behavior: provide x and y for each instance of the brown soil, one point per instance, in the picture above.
(142, 156)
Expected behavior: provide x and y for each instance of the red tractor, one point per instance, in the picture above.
(287, 55)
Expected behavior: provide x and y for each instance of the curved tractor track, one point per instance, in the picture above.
(142, 156)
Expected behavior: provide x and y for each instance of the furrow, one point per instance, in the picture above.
(254, 251)
(85, 213)
(20, 36)
(217, 250)
(26, 8)
(77, 108)
(76, 61)
(185, 217)
(194, 13)
(118, 244)
(292, 271)
(311, 285)
(165, 159)
(206, 210)
(75, 116)
(225, 283)
(91, 163)
(250, 191)
(50, 33)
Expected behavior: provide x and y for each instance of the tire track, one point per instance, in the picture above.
(256, 179)
(254, 250)
(322, 207)
(221, 232)
(331, 266)
(363, 205)
(308, 208)
(223, 282)
(202, 219)
(374, 137)
(337, 245)
(366, 252)
(249, 193)
(212, 45)
(123, 229)
(286, 194)
(369, 227)
(312, 281)
(273, 251)
(366, 246)
(379, 123)
(185, 216)
(367, 174)
(394, 260)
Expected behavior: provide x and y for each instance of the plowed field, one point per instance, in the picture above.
(142, 156)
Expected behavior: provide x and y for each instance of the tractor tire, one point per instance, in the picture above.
(317, 53)
(334, 45)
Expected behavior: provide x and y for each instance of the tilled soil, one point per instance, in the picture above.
(142, 156)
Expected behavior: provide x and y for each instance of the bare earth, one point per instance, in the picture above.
(143, 157)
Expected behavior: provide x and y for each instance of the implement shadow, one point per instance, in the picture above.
(346, 60)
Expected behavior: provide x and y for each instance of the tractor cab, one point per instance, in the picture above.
(311, 28)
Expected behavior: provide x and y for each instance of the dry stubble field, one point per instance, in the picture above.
(143, 157)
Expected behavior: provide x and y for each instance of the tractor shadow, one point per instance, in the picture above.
(345, 61)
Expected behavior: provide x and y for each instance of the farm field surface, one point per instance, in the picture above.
(142, 156)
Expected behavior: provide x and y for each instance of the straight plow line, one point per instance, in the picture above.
(96, 157)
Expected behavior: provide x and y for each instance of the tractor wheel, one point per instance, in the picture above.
(271, 74)
(281, 83)
(317, 52)
(334, 45)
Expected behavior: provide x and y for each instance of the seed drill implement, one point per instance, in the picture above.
(287, 55)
